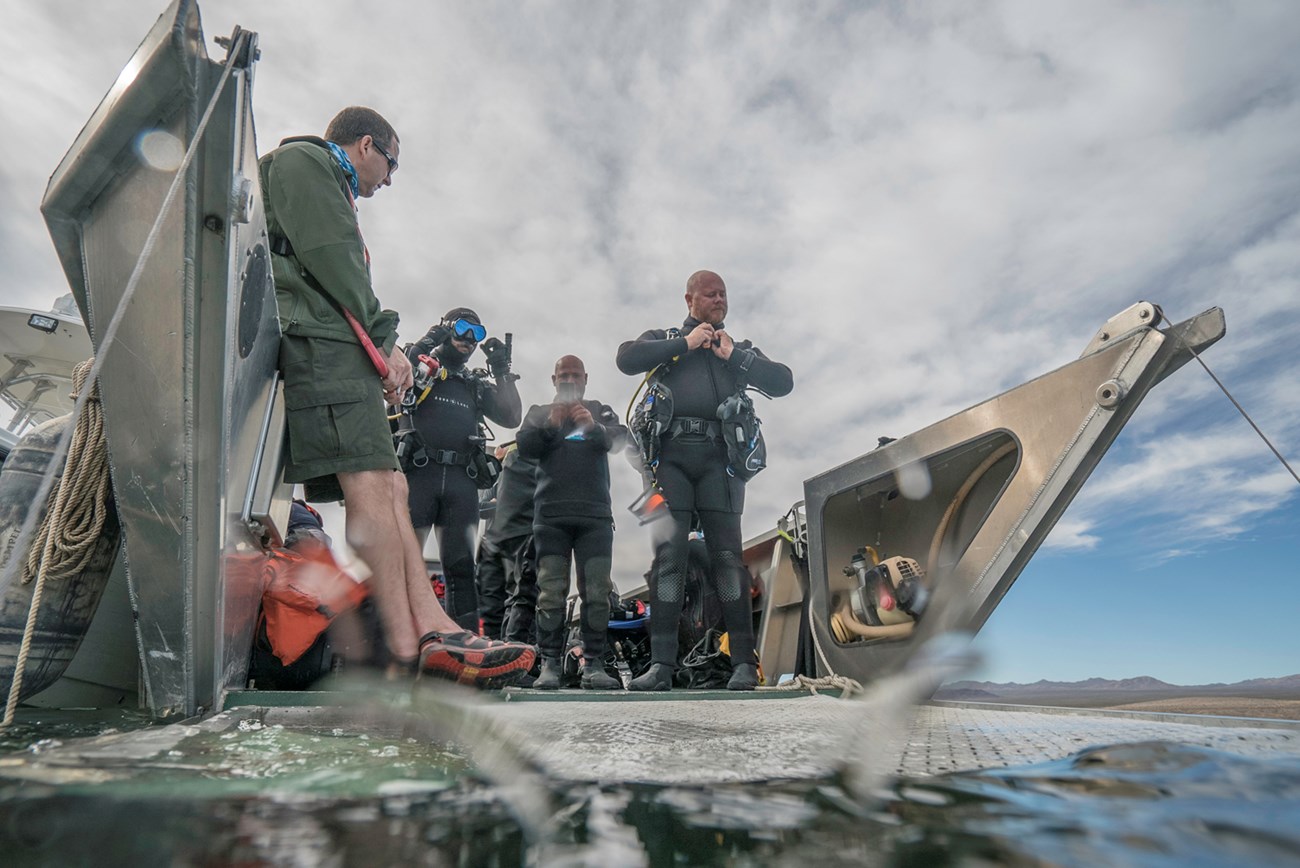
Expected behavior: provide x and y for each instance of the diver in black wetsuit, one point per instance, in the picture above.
(704, 365)
(443, 496)
(571, 439)
(507, 577)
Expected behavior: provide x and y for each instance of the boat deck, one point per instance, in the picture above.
(712, 737)
(961, 736)
(716, 740)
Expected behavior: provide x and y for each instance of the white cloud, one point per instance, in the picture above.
(916, 206)
(1072, 534)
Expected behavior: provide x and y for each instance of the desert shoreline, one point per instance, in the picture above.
(1223, 706)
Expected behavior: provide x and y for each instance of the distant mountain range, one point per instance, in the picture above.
(1105, 691)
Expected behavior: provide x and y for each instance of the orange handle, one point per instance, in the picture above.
(376, 357)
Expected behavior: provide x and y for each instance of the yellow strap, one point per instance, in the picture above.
(640, 386)
(418, 402)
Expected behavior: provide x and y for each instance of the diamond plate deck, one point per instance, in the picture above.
(673, 738)
(699, 741)
(947, 737)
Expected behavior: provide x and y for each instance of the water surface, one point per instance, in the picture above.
(266, 795)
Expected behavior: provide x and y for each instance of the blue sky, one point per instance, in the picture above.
(1220, 606)
(915, 205)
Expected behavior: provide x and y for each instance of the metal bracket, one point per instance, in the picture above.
(1109, 394)
(1144, 314)
(248, 50)
(241, 200)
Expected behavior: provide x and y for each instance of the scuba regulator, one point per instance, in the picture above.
(407, 442)
(646, 425)
(427, 369)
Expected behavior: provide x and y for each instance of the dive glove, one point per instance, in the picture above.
(498, 354)
(432, 338)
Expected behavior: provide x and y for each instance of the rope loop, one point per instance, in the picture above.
(79, 504)
(848, 687)
(78, 507)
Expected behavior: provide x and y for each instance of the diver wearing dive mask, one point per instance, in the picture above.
(444, 490)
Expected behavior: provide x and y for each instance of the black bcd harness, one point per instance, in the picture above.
(480, 464)
(737, 425)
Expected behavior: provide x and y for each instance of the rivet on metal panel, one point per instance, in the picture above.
(1109, 394)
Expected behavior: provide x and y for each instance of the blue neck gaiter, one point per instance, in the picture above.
(348, 169)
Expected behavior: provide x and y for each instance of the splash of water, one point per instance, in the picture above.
(871, 742)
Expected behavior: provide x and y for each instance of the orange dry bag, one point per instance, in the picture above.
(305, 589)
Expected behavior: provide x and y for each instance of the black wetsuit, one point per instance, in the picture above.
(573, 516)
(442, 494)
(692, 474)
(507, 578)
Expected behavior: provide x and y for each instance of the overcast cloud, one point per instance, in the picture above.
(915, 205)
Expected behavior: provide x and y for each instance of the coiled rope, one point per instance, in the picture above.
(848, 687)
(66, 540)
(79, 506)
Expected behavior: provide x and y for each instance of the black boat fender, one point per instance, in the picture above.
(68, 604)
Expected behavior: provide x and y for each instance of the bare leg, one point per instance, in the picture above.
(426, 611)
(378, 527)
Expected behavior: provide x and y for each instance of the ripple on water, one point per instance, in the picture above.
(274, 795)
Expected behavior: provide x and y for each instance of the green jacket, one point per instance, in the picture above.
(303, 196)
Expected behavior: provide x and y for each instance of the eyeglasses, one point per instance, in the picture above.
(392, 164)
(463, 328)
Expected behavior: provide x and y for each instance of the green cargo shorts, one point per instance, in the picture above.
(334, 414)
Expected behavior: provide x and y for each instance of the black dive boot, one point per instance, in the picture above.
(549, 677)
(743, 677)
(594, 677)
(658, 677)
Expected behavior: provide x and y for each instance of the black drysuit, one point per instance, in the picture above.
(692, 474)
(507, 577)
(572, 516)
(442, 494)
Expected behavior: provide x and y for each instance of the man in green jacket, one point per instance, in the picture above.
(334, 370)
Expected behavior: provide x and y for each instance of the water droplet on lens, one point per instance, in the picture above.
(914, 480)
(160, 150)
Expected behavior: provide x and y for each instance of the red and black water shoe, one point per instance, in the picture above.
(473, 660)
